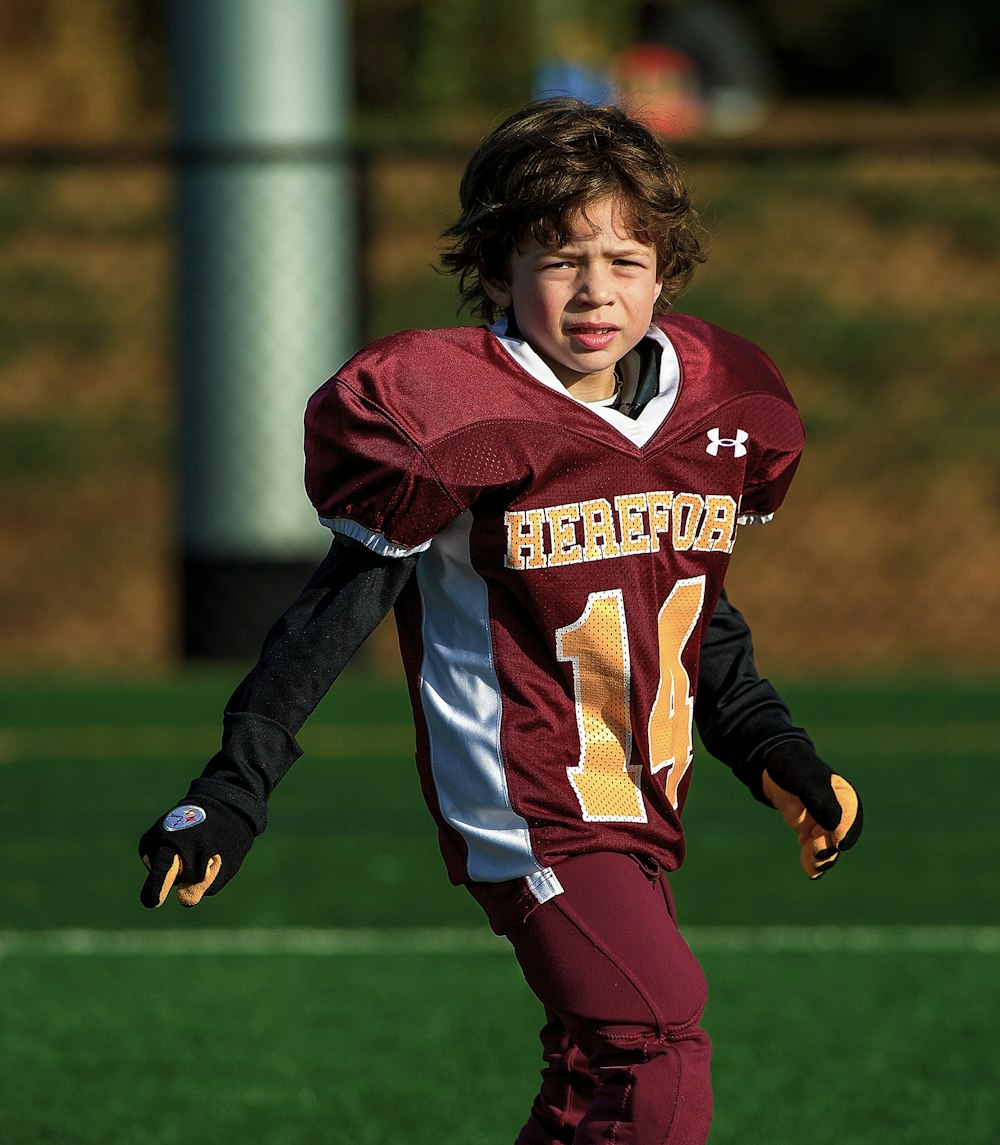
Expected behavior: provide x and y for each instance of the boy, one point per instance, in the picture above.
(549, 504)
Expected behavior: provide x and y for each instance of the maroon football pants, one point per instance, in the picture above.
(625, 1057)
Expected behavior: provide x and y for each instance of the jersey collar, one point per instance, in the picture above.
(637, 430)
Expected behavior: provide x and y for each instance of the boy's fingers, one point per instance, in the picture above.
(192, 893)
(819, 853)
(163, 871)
(849, 827)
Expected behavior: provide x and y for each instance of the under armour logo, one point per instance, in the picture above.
(716, 442)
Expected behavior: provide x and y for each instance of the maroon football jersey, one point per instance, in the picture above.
(570, 557)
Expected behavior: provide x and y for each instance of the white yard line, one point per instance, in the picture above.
(253, 940)
(447, 940)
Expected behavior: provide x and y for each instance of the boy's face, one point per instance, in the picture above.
(584, 305)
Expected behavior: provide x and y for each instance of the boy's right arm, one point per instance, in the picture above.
(199, 845)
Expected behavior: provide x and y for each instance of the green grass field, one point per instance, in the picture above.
(340, 991)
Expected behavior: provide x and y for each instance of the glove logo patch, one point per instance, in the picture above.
(186, 816)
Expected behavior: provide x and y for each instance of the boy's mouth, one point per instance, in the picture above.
(593, 336)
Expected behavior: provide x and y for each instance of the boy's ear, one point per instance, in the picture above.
(497, 292)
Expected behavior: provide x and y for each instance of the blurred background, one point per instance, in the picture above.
(845, 156)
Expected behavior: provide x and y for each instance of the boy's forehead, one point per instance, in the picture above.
(602, 219)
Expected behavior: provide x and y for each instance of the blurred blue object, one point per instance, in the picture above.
(573, 78)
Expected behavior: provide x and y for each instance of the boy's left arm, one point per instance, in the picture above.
(745, 723)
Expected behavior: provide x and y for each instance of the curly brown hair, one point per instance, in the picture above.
(534, 174)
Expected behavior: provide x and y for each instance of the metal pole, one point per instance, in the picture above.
(266, 272)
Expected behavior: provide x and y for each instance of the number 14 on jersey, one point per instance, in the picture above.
(606, 783)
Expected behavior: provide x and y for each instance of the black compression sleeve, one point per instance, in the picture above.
(740, 717)
(303, 653)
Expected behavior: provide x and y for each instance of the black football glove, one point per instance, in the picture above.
(196, 848)
(822, 808)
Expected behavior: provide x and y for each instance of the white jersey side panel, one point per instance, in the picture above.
(460, 698)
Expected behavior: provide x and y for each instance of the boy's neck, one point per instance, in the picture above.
(594, 387)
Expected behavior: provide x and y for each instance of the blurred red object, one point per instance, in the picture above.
(660, 86)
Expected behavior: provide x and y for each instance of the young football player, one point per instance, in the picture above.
(549, 504)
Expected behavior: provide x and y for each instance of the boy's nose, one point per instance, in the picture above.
(595, 290)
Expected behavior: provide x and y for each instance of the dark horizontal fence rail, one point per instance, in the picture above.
(915, 141)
